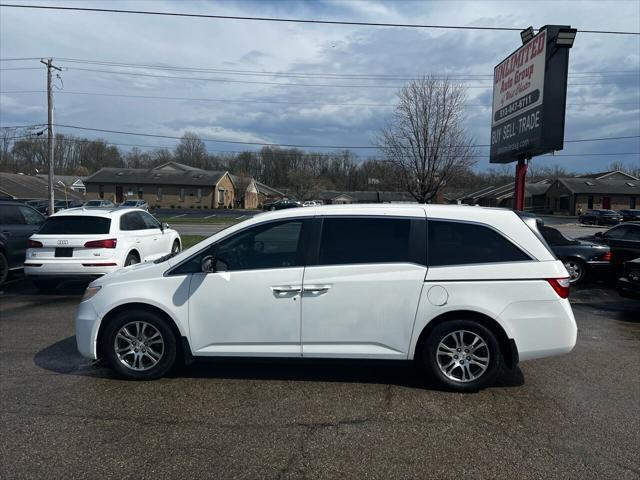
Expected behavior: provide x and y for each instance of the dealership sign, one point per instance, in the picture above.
(529, 99)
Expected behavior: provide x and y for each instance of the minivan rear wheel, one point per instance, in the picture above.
(139, 345)
(462, 355)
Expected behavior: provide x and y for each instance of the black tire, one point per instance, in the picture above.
(131, 259)
(432, 359)
(123, 366)
(577, 270)
(46, 285)
(4, 268)
(175, 248)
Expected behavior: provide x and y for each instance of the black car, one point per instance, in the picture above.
(41, 205)
(624, 241)
(64, 204)
(281, 204)
(580, 258)
(629, 283)
(630, 215)
(600, 217)
(17, 223)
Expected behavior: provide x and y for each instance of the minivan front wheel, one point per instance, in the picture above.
(139, 345)
(462, 355)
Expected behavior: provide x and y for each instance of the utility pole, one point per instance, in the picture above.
(50, 66)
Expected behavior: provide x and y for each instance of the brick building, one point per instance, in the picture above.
(170, 185)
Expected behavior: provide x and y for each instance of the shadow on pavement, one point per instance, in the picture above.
(62, 357)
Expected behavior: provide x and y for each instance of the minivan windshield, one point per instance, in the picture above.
(75, 225)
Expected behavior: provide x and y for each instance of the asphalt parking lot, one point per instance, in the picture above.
(576, 416)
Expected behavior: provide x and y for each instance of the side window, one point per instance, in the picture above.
(618, 232)
(458, 243)
(274, 245)
(149, 221)
(10, 215)
(132, 221)
(364, 240)
(31, 217)
(633, 233)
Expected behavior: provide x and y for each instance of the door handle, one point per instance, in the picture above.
(287, 289)
(316, 289)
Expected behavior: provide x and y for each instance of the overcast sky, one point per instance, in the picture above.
(603, 96)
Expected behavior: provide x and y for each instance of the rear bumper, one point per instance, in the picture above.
(43, 268)
(540, 328)
(629, 289)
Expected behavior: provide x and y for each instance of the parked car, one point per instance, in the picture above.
(630, 215)
(281, 204)
(629, 283)
(624, 241)
(460, 290)
(600, 217)
(100, 203)
(39, 204)
(90, 242)
(63, 204)
(312, 203)
(17, 223)
(136, 203)
(580, 258)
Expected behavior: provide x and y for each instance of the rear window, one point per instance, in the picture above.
(80, 225)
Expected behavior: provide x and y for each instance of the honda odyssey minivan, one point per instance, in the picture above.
(460, 290)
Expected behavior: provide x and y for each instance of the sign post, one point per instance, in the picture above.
(529, 101)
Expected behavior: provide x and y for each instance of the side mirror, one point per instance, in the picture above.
(599, 235)
(164, 226)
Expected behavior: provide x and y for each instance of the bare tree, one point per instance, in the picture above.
(192, 151)
(426, 139)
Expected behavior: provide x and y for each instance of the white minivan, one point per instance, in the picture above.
(461, 290)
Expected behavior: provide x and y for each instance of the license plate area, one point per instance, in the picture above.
(64, 252)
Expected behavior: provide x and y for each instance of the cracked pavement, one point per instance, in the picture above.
(575, 416)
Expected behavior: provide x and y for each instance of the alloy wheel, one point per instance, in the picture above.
(463, 356)
(575, 270)
(139, 345)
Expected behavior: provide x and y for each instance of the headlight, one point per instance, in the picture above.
(90, 292)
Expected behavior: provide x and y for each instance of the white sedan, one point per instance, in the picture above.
(85, 241)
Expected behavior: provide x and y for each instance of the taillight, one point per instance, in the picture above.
(560, 285)
(110, 243)
(606, 257)
(34, 244)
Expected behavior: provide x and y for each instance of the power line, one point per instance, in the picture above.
(319, 75)
(342, 147)
(296, 154)
(255, 82)
(293, 20)
(239, 100)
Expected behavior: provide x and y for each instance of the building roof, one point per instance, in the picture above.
(68, 180)
(19, 186)
(366, 196)
(601, 186)
(267, 190)
(609, 173)
(170, 173)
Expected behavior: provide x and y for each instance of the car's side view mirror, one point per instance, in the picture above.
(164, 226)
(599, 235)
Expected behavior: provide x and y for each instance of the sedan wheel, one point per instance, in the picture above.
(4, 268)
(176, 248)
(576, 269)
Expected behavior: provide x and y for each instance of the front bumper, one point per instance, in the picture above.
(87, 325)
